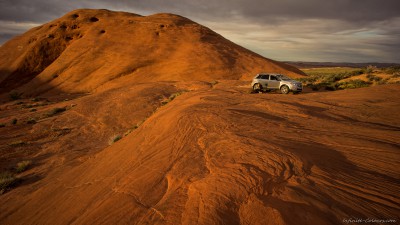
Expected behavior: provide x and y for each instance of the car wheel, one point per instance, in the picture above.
(284, 89)
(256, 87)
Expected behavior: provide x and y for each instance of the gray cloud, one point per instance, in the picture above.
(332, 30)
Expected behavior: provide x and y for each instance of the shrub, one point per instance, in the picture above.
(7, 181)
(356, 72)
(56, 111)
(357, 83)
(309, 79)
(369, 69)
(383, 81)
(313, 87)
(2, 125)
(114, 139)
(171, 97)
(31, 121)
(373, 78)
(14, 121)
(23, 166)
(330, 88)
(15, 95)
(393, 70)
(336, 77)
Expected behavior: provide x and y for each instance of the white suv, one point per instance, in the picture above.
(273, 81)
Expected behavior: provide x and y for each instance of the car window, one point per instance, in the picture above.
(273, 78)
(264, 77)
(258, 77)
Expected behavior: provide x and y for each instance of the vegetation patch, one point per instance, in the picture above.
(7, 181)
(134, 128)
(334, 78)
(14, 95)
(172, 97)
(393, 70)
(2, 124)
(357, 83)
(14, 121)
(31, 121)
(23, 166)
(114, 139)
(372, 78)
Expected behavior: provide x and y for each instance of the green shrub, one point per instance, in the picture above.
(356, 72)
(372, 77)
(393, 70)
(357, 83)
(336, 77)
(114, 139)
(7, 181)
(23, 166)
(383, 81)
(309, 79)
(14, 121)
(369, 69)
(171, 97)
(2, 124)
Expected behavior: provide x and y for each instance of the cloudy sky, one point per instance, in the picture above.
(287, 30)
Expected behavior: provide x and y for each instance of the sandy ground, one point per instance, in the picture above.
(216, 154)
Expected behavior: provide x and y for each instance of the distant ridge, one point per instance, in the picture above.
(300, 64)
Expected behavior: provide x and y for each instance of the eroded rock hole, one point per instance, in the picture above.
(94, 19)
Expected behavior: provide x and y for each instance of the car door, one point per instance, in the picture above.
(263, 80)
(273, 82)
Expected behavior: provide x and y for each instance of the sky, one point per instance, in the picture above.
(285, 30)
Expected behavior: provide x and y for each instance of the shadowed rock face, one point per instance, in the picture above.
(192, 152)
(92, 47)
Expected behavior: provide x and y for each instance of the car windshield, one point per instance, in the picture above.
(282, 77)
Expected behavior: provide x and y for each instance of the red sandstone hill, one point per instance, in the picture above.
(87, 48)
